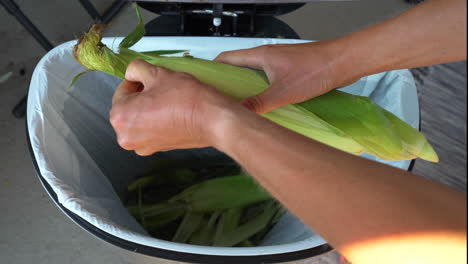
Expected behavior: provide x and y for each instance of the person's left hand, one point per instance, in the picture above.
(296, 72)
(156, 109)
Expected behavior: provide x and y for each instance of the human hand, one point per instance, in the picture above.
(297, 72)
(156, 109)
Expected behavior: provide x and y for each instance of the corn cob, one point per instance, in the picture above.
(350, 123)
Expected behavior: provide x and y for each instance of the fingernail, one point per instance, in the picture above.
(128, 75)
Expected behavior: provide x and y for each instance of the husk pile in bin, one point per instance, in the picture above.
(210, 204)
(348, 122)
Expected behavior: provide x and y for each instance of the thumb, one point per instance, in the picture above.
(125, 89)
(140, 71)
(263, 102)
(251, 58)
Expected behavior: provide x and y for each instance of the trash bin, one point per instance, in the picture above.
(81, 166)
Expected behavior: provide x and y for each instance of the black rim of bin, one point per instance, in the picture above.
(171, 254)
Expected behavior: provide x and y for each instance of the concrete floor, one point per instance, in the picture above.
(32, 229)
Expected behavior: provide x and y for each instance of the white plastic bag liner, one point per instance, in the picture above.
(77, 154)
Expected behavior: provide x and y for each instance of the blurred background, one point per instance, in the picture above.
(33, 230)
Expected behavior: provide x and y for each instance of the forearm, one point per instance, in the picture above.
(350, 201)
(430, 33)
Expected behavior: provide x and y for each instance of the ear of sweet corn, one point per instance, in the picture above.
(241, 83)
(379, 131)
(350, 123)
(414, 143)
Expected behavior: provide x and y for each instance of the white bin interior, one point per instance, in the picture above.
(77, 154)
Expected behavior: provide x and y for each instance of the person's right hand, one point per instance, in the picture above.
(297, 72)
(156, 109)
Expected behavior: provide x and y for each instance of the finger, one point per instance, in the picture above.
(129, 139)
(144, 152)
(148, 150)
(264, 102)
(124, 89)
(141, 71)
(126, 142)
(251, 58)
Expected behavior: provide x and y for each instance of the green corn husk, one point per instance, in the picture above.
(211, 210)
(246, 243)
(153, 210)
(204, 236)
(347, 122)
(368, 124)
(190, 224)
(248, 229)
(228, 221)
(222, 193)
(154, 223)
(141, 182)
